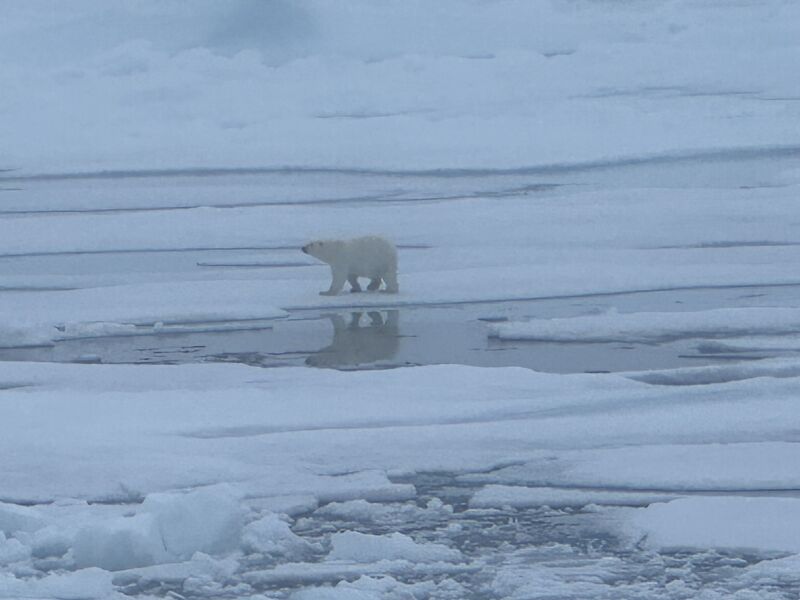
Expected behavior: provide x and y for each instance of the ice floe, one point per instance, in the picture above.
(654, 327)
(500, 496)
(722, 522)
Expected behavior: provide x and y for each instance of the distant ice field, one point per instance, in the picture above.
(395, 86)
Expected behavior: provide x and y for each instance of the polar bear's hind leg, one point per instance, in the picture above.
(391, 282)
(353, 281)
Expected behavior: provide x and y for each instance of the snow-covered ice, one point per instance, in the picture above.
(360, 547)
(404, 84)
(167, 528)
(653, 327)
(76, 585)
(756, 465)
(718, 522)
(501, 496)
(128, 310)
(272, 536)
(563, 177)
(143, 436)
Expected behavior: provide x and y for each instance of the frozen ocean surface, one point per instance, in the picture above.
(587, 387)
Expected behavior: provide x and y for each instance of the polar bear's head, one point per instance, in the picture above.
(325, 250)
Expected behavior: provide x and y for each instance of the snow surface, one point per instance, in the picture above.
(778, 367)
(652, 327)
(399, 85)
(364, 548)
(148, 432)
(86, 275)
(127, 310)
(770, 523)
(500, 496)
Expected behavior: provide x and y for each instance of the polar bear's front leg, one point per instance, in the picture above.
(339, 277)
(391, 282)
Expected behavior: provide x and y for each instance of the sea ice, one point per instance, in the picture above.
(381, 588)
(568, 151)
(654, 327)
(756, 523)
(120, 543)
(15, 518)
(169, 527)
(365, 548)
(647, 471)
(12, 550)
(383, 514)
(499, 496)
(84, 584)
(271, 535)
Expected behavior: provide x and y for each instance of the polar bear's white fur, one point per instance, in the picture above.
(369, 256)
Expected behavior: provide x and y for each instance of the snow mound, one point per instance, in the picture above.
(120, 543)
(365, 548)
(271, 535)
(12, 550)
(771, 524)
(169, 527)
(15, 518)
(653, 326)
(207, 520)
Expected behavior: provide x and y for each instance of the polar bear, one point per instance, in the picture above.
(370, 256)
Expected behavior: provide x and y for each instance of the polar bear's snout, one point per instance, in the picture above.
(309, 248)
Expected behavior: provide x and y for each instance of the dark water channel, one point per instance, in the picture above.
(424, 335)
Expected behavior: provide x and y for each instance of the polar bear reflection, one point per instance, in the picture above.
(356, 344)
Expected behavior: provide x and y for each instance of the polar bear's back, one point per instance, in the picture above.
(371, 256)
